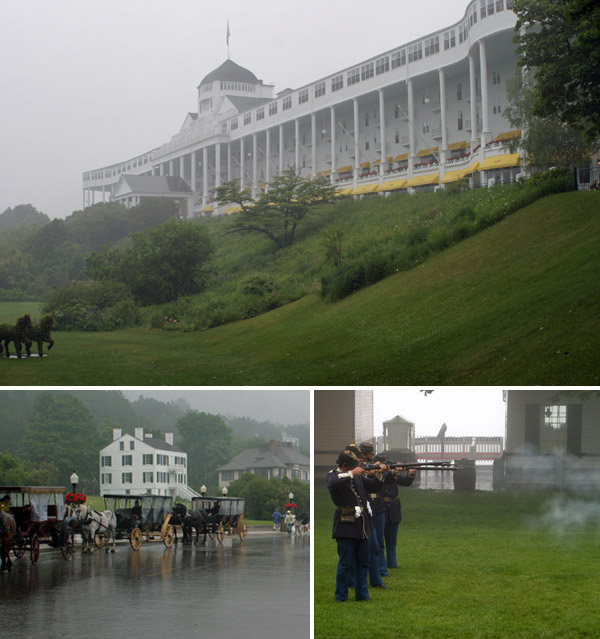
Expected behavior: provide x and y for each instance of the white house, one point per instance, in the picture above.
(422, 115)
(138, 464)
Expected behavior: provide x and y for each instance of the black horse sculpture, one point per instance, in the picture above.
(8, 530)
(16, 334)
(40, 333)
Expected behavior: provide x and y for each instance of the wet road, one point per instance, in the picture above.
(240, 590)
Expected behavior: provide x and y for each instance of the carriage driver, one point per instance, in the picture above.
(5, 504)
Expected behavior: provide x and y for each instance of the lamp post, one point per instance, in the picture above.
(224, 491)
(203, 490)
(74, 479)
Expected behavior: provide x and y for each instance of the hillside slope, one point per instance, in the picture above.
(517, 304)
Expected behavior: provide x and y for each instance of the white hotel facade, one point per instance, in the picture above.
(419, 116)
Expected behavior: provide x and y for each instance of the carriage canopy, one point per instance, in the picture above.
(47, 502)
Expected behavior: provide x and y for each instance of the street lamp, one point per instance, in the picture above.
(202, 490)
(74, 479)
(224, 491)
(291, 496)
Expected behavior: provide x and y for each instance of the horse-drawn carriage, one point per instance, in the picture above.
(142, 517)
(40, 517)
(220, 516)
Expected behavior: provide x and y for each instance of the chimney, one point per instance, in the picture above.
(169, 438)
(272, 446)
(116, 434)
(139, 433)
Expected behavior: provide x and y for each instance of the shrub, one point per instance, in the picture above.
(92, 306)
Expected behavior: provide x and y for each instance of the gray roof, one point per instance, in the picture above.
(160, 444)
(243, 103)
(156, 184)
(281, 457)
(229, 71)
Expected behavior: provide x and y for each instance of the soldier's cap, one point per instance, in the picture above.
(380, 458)
(347, 459)
(366, 448)
(355, 449)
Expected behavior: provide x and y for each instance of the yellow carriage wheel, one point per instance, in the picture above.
(220, 532)
(135, 539)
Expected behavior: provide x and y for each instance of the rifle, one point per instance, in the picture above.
(441, 465)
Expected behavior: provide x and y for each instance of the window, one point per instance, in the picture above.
(382, 65)
(126, 460)
(499, 5)
(273, 108)
(482, 6)
(367, 143)
(397, 136)
(490, 7)
(497, 107)
(432, 45)
(425, 126)
(127, 478)
(132, 445)
(496, 77)
(106, 478)
(320, 89)
(555, 417)
(366, 118)
(367, 71)
(148, 478)
(337, 83)
(260, 113)
(121, 445)
(353, 76)
(415, 52)
(459, 93)
(396, 111)
(106, 461)
(510, 4)
(449, 39)
(148, 460)
(398, 58)
(234, 124)
(302, 96)
(162, 460)
(286, 103)
(247, 118)
(460, 121)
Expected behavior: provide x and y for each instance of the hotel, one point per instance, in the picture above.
(418, 117)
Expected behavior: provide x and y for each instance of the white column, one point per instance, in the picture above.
(217, 164)
(444, 122)
(281, 167)
(171, 167)
(242, 163)
(486, 135)
(333, 144)
(254, 165)
(268, 155)
(161, 167)
(383, 162)
(205, 176)
(473, 96)
(412, 151)
(181, 166)
(356, 137)
(313, 141)
(229, 176)
(297, 144)
(194, 161)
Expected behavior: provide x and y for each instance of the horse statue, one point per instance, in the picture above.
(40, 333)
(16, 334)
(93, 523)
(8, 530)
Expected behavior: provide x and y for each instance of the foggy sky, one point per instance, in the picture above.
(286, 407)
(87, 83)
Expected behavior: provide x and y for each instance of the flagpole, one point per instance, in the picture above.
(227, 38)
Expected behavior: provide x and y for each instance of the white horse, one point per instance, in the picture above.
(92, 523)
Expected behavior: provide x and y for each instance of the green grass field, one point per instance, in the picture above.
(471, 566)
(515, 305)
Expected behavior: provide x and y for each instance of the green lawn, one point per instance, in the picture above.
(517, 304)
(472, 566)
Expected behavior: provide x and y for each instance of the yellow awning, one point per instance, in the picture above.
(392, 185)
(452, 176)
(390, 158)
(365, 165)
(365, 188)
(471, 169)
(508, 135)
(233, 209)
(346, 191)
(377, 162)
(500, 161)
(206, 209)
(457, 145)
(345, 169)
(425, 152)
(401, 157)
(424, 180)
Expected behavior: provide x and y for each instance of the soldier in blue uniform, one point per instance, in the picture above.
(352, 523)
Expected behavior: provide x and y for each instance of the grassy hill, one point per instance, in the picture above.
(516, 304)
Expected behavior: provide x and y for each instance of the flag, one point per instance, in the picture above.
(228, 34)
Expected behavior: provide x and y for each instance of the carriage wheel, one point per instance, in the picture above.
(243, 530)
(135, 539)
(34, 552)
(212, 534)
(99, 540)
(67, 547)
(220, 532)
(169, 536)
(19, 546)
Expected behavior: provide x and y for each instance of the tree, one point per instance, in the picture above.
(207, 441)
(332, 243)
(545, 140)
(277, 212)
(559, 41)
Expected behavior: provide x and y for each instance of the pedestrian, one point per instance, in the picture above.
(276, 517)
(393, 511)
(290, 518)
(352, 524)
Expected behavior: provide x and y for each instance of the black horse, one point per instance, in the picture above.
(40, 333)
(8, 530)
(197, 519)
(16, 334)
